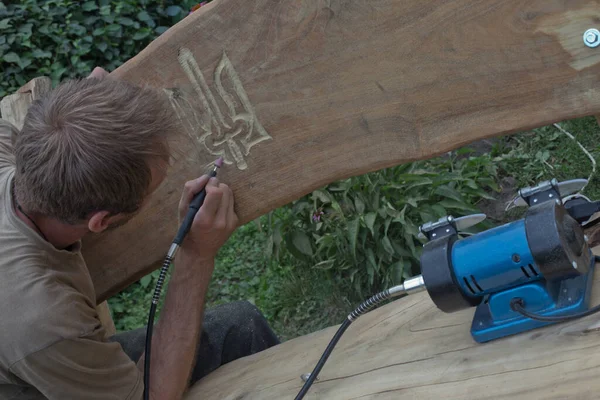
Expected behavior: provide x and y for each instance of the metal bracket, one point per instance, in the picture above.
(545, 191)
(449, 225)
(444, 226)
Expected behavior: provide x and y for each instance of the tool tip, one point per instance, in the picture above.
(219, 162)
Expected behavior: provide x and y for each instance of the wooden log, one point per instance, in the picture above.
(410, 350)
(14, 107)
(296, 94)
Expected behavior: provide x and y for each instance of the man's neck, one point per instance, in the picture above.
(57, 233)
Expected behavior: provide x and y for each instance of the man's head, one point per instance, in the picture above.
(92, 151)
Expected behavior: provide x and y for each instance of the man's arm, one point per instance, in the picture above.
(176, 335)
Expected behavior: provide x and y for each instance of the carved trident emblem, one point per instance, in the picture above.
(230, 132)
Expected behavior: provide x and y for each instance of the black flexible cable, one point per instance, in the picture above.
(150, 328)
(324, 357)
(148, 347)
(517, 304)
(362, 309)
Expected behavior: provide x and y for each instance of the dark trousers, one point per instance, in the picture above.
(229, 332)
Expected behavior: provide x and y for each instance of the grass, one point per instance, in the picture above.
(298, 300)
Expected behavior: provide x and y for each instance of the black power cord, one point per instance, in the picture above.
(362, 309)
(517, 304)
(150, 328)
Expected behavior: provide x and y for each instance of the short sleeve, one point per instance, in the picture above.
(82, 368)
(7, 131)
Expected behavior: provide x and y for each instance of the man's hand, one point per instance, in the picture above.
(215, 221)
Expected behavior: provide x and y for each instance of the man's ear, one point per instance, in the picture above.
(99, 221)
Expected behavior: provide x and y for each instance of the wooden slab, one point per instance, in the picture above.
(299, 93)
(410, 350)
(13, 108)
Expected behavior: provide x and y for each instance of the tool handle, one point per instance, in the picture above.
(195, 205)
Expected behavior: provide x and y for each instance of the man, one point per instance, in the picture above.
(89, 155)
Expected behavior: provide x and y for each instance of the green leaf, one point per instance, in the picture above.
(89, 6)
(77, 29)
(387, 245)
(102, 46)
(269, 247)
(141, 35)
(323, 196)
(359, 205)
(5, 23)
(400, 269)
(301, 243)
(113, 28)
(145, 281)
(370, 221)
(125, 21)
(24, 62)
(173, 11)
(144, 16)
(353, 234)
(161, 29)
(91, 20)
(447, 191)
(98, 31)
(105, 10)
(25, 29)
(325, 265)
(11, 58)
(457, 205)
(37, 53)
(401, 251)
(371, 259)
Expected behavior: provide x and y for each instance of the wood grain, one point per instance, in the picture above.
(342, 88)
(409, 349)
(14, 108)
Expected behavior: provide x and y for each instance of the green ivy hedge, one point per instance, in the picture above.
(68, 38)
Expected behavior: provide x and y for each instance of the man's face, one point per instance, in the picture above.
(159, 173)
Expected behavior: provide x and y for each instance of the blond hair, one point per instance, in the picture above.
(88, 146)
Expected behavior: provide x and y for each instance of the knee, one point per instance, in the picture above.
(242, 313)
(249, 324)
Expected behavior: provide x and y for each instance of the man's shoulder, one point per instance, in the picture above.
(38, 310)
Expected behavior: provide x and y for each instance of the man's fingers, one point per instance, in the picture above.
(190, 189)
(232, 218)
(208, 212)
(214, 181)
(221, 221)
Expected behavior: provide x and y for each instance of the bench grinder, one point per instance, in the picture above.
(542, 260)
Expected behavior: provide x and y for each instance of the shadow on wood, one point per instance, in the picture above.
(297, 94)
(410, 350)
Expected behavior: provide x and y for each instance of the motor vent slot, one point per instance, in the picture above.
(533, 270)
(469, 285)
(476, 284)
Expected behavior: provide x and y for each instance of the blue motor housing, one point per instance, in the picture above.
(494, 260)
(542, 259)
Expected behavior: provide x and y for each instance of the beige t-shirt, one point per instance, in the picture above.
(52, 344)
